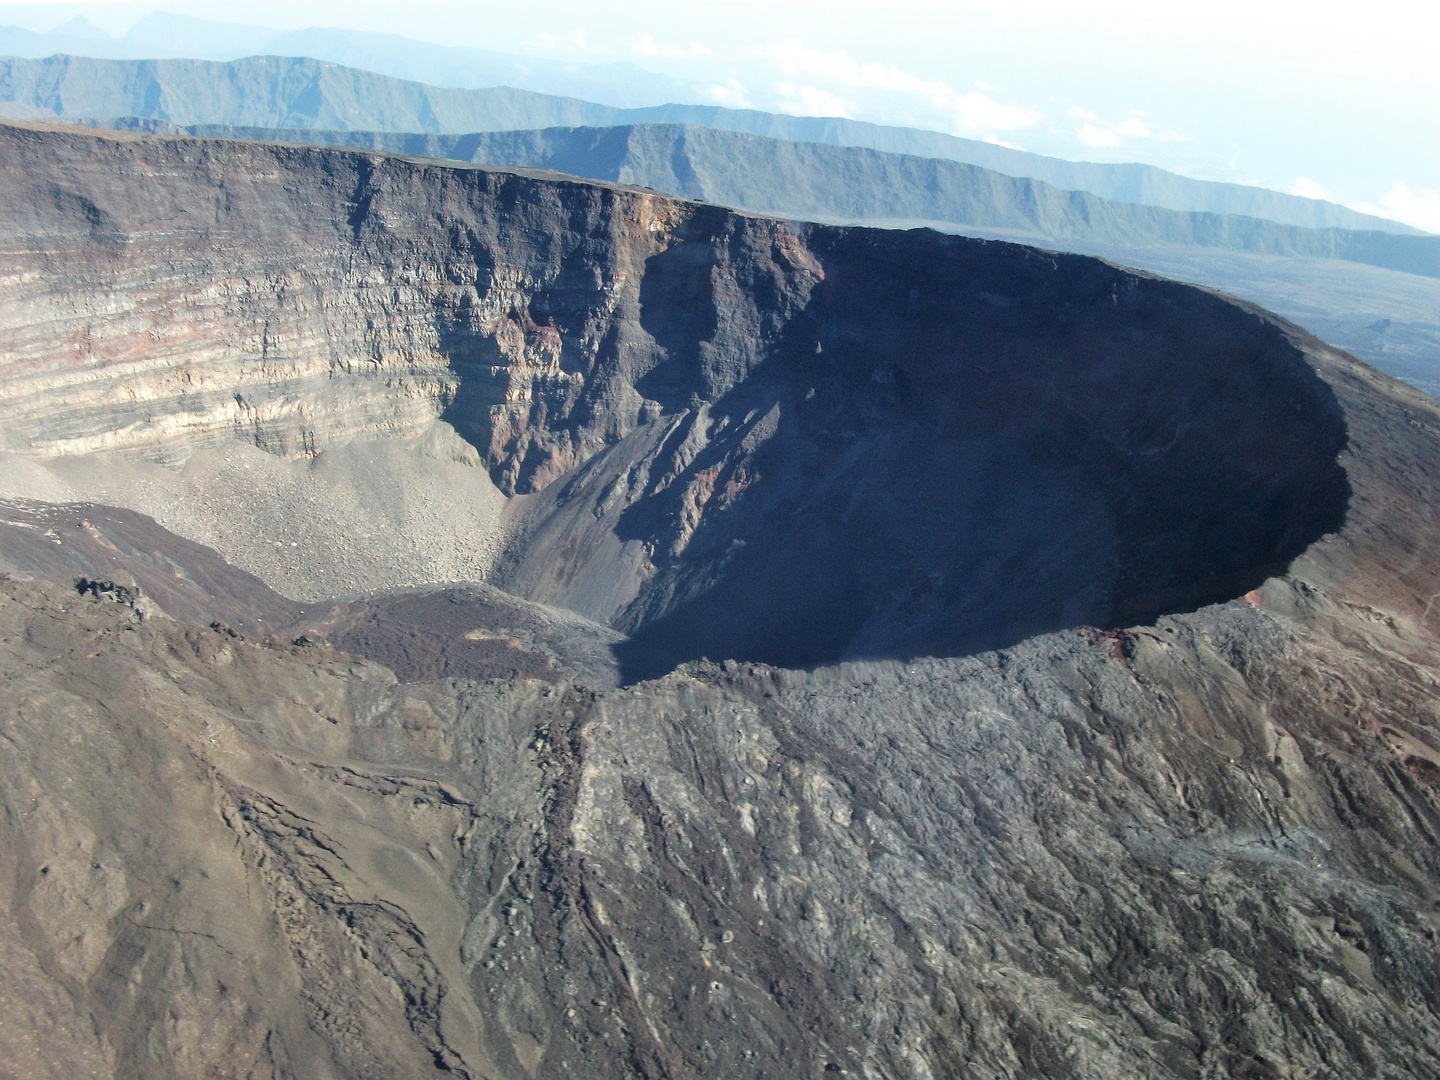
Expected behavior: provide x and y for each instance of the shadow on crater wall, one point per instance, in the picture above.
(951, 447)
(734, 436)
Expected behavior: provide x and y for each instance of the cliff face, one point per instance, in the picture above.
(165, 295)
(817, 181)
(1317, 278)
(467, 836)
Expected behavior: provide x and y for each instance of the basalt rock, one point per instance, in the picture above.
(1070, 702)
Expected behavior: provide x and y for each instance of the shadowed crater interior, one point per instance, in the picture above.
(932, 446)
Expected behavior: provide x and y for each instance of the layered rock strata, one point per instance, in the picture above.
(167, 294)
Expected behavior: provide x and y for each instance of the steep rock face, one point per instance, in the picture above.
(953, 445)
(163, 295)
(799, 442)
(818, 182)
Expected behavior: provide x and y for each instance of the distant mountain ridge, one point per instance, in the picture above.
(165, 35)
(271, 91)
(302, 93)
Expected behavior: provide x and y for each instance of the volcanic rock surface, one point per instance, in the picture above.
(780, 443)
(1070, 702)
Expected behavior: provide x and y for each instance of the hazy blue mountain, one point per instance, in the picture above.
(306, 93)
(271, 91)
(1126, 182)
(164, 35)
(620, 84)
(79, 36)
(624, 85)
(81, 29)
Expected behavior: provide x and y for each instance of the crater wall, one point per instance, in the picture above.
(730, 436)
(952, 446)
(166, 294)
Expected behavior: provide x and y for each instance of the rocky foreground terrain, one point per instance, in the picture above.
(974, 662)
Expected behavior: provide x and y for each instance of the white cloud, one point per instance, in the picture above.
(576, 41)
(804, 100)
(972, 113)
(1134, 125)
(1091, 135)
(646, 45)
(795, 59)
(730, 94)
(977, 112)
(1309, 189)
(1419, 207)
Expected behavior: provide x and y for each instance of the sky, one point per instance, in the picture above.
(1332, 100)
